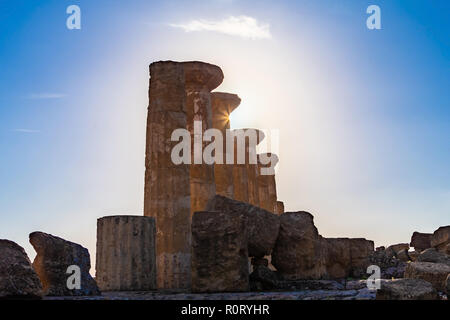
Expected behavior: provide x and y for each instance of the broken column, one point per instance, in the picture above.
(245, 164)
(219, 252)
(126, 259)
(222, 106)
(167, 186)
(266, 183)
(200, 79)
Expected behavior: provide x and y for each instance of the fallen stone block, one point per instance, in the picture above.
(432, 255)
(421, 241)
(17, 277)
(434, 273)
(441, 239)
(54, 257)
(406, 289)
(299, 251)
(219, 252)
(262, 226)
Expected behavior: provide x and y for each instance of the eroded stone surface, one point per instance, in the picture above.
(126, 257)
(406, 289)
(219, 252)
(421, 241)
(441, 239)
(432, 255)
(54, 256)
(390, 266)
(346, 257)
(298, 252)
(262, 226)
(434, 273)
(17, 277)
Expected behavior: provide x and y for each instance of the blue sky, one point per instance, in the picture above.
(363, 115)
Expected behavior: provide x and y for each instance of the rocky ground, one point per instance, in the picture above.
(353, 291)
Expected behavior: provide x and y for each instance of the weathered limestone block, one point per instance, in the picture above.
(432, 255)
(219, 252)
(338, 257)
(421, 241)
(441, 239)
(266, 184)
(17, 277)
(200, 79)
(434, 273)
(406, 289)
(167, 186)
(299, 252)
(360, 251)
(222, 106)
(347, 257)
(393, 249)
(54, 256)
(279, 208)
(126, 259)
(262, 226)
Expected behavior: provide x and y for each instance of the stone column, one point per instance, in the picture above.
(167, 186)
(222, 106)
(201, 78)
(267, 185)
(126, 259)
(245, 175)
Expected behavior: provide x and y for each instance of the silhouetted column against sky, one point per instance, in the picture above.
(222, 106)
(266, 185)
(179, 94)
(167, 186)
(201, 78)
(244, 174)
(252, 170)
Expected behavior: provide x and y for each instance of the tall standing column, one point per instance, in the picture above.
(201, 78)
(253, 172)
(244, 174)
(167, 186)
(222, 106)
(267, 185)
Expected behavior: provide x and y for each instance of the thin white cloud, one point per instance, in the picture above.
(46, 96)
(242, 26)
(26, 130)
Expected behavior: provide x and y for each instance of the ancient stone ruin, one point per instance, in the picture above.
(179, 94)
(126, 253)
(214, 228)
